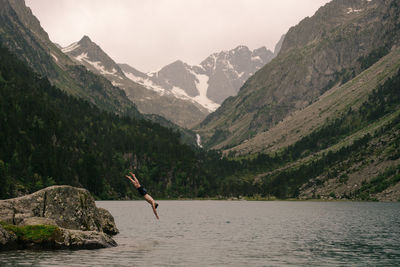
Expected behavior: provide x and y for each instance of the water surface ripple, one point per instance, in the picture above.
(239, 233)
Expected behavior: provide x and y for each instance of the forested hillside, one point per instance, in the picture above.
(23, 35)
(50, 138)
(354, 156)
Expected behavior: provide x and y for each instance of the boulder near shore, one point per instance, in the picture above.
(57, 217)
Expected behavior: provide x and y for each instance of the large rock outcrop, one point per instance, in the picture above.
(79, 222)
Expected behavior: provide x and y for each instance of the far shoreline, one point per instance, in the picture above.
(264, 199)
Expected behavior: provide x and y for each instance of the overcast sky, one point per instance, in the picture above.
(149, 34)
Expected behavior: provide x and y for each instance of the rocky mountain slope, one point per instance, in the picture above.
(344, 146)
(321, 52)
(278, 46)
(331, 104)
(182, 111)
(362, 146)
(217, 77)
(179, 92)
(22, 34)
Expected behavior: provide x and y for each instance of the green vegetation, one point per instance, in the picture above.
(373, 57)
(383, 101)
(378, 184)
(33, 233)
(286, 170)
(31, 44)
(51, 138)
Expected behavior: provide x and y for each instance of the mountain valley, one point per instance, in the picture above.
(317, 118)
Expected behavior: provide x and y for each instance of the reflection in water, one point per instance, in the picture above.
(239, 233)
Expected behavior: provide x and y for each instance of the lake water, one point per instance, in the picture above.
(239, 233)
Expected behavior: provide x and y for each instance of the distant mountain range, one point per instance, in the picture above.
(182, 93)
(217, 77)
(320, 120)
(89, 54)
(22, 34)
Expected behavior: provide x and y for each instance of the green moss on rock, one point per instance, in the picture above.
(33, 233)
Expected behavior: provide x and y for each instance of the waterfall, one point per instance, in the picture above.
(198, 140)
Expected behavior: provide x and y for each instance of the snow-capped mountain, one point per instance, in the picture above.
(179, 79)
(217, 77)
(228, 70)
(182, 110)
(179, 92)
(92, 56)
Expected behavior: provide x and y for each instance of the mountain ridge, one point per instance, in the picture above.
(22, 34)
(193, 91)
(85, 50)
(87, 53)
(330, 53)
(332, 103)
(217, 77)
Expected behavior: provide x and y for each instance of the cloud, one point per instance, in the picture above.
(150, 34)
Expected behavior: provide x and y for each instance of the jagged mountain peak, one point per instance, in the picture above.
(85, 39)
(84, 43)
(260, 50)
(88, 53)
(176, 64)
(217, 77)
(240, 49)
(228, 70)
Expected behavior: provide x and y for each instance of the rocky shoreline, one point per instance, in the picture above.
(57, 217)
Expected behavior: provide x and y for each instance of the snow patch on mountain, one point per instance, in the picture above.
(116, 83)
(351, 10)
(208, 84)
(81, 57)
(202, 86)
(71, 47)
(96, 64)
(145, 82)
(179, 93)
(55, 58)
(256, 58)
